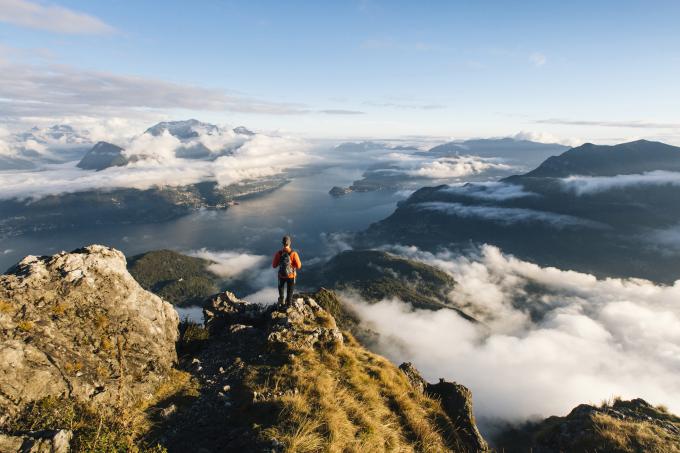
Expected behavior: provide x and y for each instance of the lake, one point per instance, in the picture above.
(302, 208)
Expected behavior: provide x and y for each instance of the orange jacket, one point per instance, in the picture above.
(294, 261)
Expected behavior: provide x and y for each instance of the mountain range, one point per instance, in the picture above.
(575, 211)
(479, 159)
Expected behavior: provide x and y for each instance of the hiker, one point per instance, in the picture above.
(288, 261)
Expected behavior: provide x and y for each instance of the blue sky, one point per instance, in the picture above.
(592, 71)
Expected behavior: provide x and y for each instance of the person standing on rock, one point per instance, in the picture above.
(288, 262)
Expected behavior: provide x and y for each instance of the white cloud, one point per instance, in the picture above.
(499, 191)
(508, 216)
(456, 167)
(261, 156)
(52, 18)
(538, 59)
(229, 264)
(594, 339)
(421, 165)
(159, 148)
(593, 184)
(546, 137)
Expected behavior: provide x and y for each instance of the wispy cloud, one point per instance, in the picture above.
(632, 123)
(51, 18)
(508, 216)
(341, 112)
(538, 59)
(498, 191)
(42, 90)
(593, 184)
(405, 105)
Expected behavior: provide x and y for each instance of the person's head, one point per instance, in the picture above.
(286, 241)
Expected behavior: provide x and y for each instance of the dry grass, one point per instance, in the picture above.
(351, 400)
(105, 430)
(634, 436)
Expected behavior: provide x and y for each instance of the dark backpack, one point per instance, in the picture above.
(285, 264)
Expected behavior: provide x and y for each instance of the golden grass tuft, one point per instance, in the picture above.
(351, 400)
(633, 436)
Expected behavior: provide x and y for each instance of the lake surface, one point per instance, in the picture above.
(302, 208)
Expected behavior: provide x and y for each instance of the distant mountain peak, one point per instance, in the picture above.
(103, 155)
(634, 157)
(183, 130)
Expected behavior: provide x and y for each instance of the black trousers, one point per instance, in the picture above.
(289, 283)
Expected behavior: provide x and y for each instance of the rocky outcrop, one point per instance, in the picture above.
(620, 426)
(456, 400)
(78, 325)
(291, 326)
(58, 441)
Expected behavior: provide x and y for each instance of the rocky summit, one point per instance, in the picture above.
(289, 378)
(77, 325)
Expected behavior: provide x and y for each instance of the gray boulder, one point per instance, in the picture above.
(78, 325)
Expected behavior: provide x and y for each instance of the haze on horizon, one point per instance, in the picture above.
(570, 72)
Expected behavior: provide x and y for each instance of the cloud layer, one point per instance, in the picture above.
(260, 156)
(508, 216)
(498, 191)
(593, 184)
(588, 339)
(420, 165)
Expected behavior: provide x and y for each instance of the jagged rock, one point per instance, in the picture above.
(78, 325)
(414, 377)
(225, 309)
(58, 441)
(302, 324)
(456, 400)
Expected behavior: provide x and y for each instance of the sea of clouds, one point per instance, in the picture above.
(587, 340)
(156, 164)
(420, 165)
